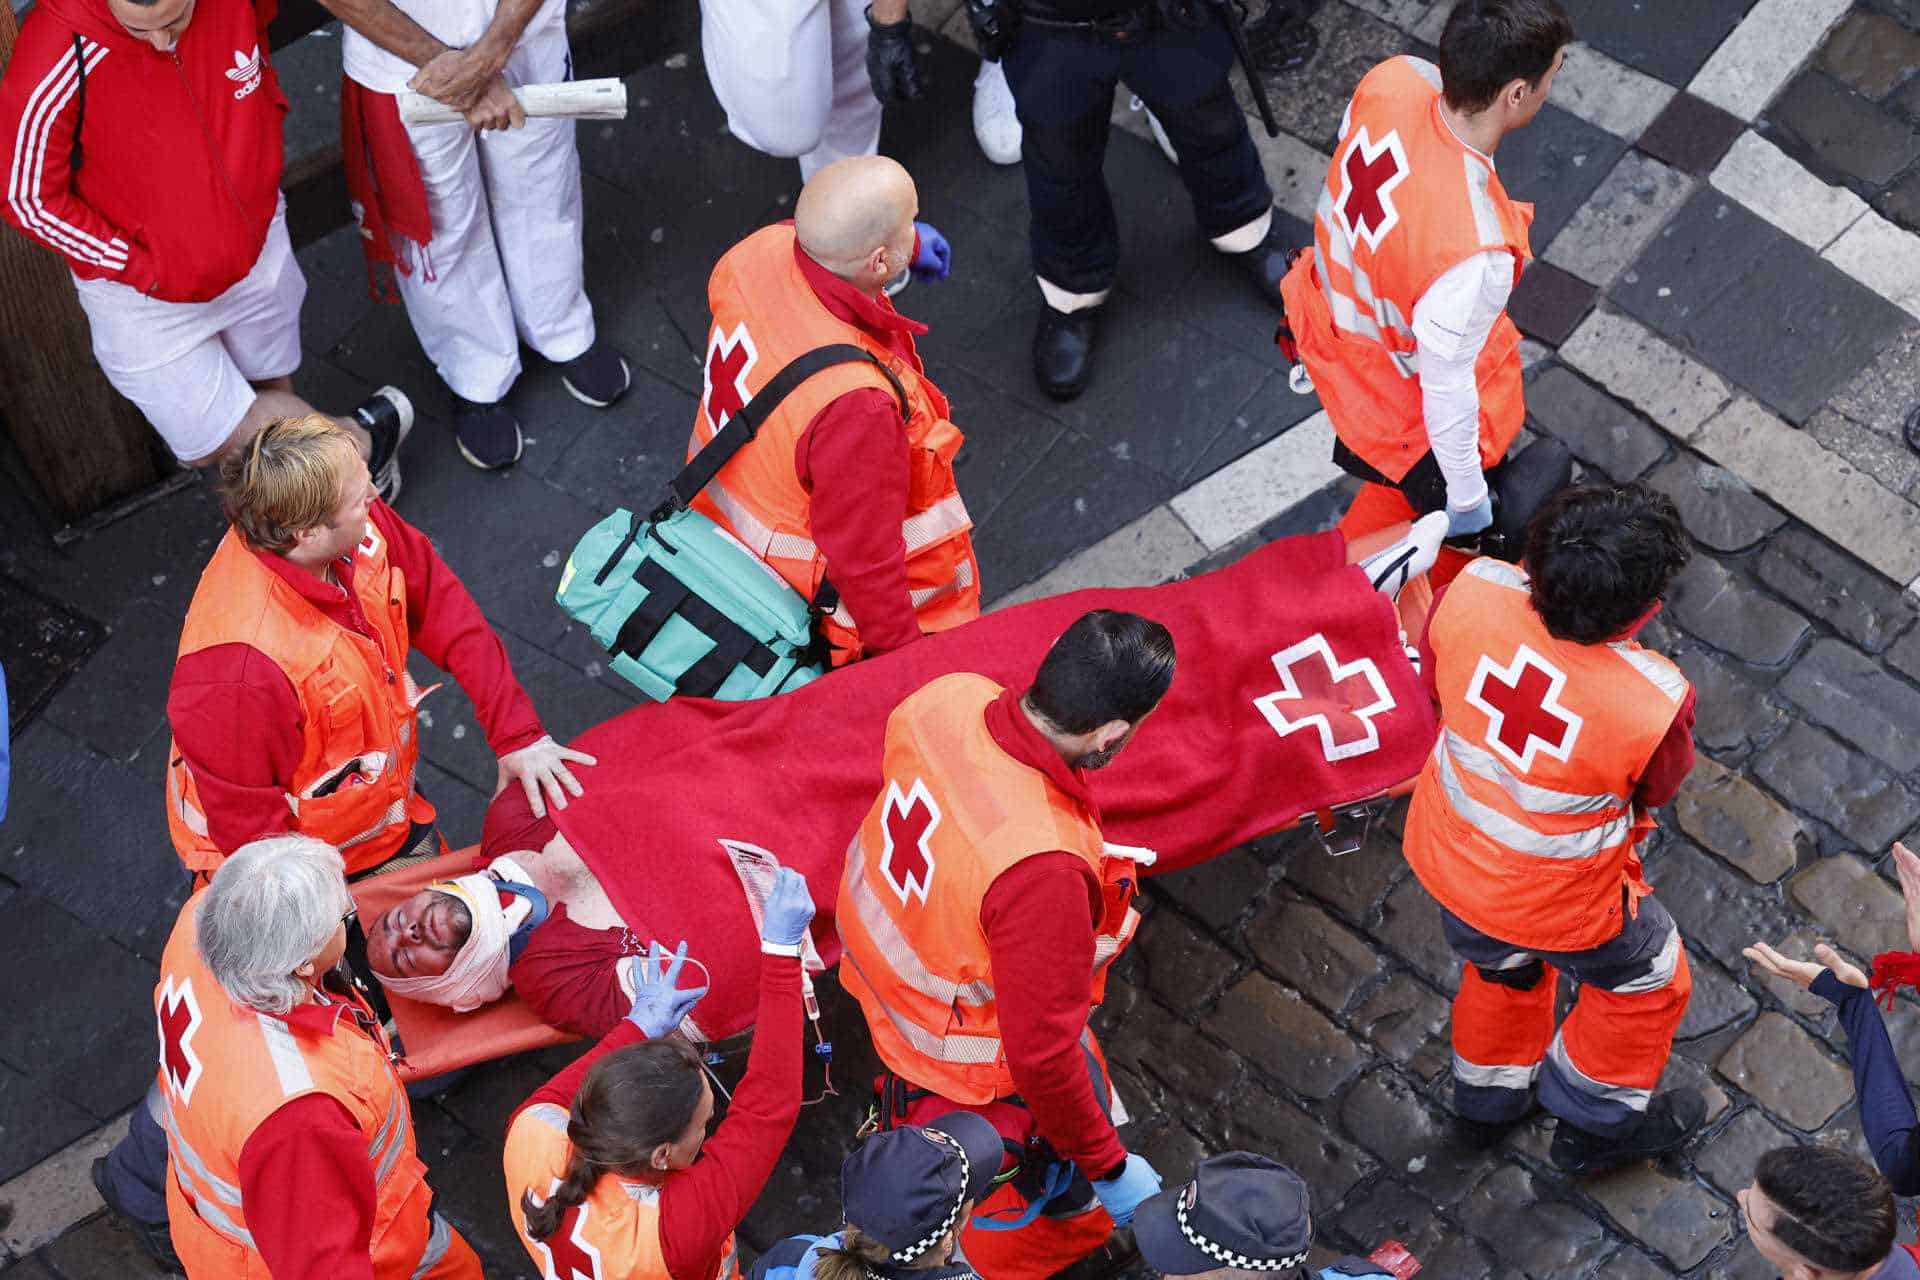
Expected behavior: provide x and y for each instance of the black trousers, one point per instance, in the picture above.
(1063, 83)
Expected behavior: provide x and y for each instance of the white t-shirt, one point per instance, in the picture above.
(1451, 324)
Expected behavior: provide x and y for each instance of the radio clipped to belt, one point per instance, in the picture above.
(683, 607)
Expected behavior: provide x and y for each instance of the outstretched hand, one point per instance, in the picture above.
(1802, 972)
(542, 767)
(1906, 863)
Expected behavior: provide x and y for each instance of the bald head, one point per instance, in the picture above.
(855, 213)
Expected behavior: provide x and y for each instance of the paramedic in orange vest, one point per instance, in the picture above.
(837, 487)
(1560, 736)
(610, 1173)
(289, 1138)
(1398, 312)
(979, 912)
(291, 707)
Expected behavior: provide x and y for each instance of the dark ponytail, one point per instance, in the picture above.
(631, 1101)
(859, 1253)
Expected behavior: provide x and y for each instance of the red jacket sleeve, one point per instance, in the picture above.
(702, 1205)
(1428, 666)
(1671, 761)
(1041, 958)
(560, 1090)
(449, 630)
(236, 722)
(853, 460)
(37, 113)
(309, 1192)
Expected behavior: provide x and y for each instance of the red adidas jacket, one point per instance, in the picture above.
(180, 152)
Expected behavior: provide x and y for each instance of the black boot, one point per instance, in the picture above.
(1671, 1119)
(1063, 351)
(1266, 263)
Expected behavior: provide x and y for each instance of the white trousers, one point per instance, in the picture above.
(190, 366)
(504, 266)
(792, 76)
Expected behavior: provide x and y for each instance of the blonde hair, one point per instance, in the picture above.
(288, 479)
(858, 1252)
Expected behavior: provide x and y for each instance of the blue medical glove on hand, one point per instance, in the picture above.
(788, 911)
(658, 1004)
(933, 260)
(1461, 524)
(1121, 1194)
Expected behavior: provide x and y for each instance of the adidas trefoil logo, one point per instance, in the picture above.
(245, 72)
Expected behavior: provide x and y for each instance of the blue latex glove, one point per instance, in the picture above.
(658, 1003)
(1461, 524)
(788, 911)
(934, 261)
(1121, 1194)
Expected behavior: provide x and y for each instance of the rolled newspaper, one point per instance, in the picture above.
(574, 99)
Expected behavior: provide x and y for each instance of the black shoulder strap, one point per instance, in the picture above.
(80, 102)
(745, 425)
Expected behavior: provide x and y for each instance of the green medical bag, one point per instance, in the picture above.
(683, 607)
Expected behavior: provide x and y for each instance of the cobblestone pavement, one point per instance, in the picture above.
(1724, 306)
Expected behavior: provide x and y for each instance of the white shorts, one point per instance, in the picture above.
(189, 365)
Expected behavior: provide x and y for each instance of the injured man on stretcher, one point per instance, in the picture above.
(1296, 695)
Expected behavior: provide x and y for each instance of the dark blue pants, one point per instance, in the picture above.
(137, 1168)
(1063, 85)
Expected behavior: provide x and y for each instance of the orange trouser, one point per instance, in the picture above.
(1597, 1071)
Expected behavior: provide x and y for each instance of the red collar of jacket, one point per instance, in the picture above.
(1016, 735)
(844, 302)
(320, 1018)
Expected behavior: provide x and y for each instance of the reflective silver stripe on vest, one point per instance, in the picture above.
(760, 539)
(1428, 71)
(395, 814)
(1499, 572)
(1631, 1098)
(1482, 764)
(962, 579)
(1658, 673)
(1498, 1077)
(436, 1247)
(387, 1144)
(893, 945)
(195, 820)
(1517, 836)
(289, 1064)
(963, 1050)
(547, 1113)
(947, 516)
(1347, 314)
(206, 1210)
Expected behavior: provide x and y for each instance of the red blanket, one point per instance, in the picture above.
(1239, 748)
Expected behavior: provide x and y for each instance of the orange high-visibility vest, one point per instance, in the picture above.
(957, 811)
(357, 703)
(764, 315)
(1404, 201)
(1522, 822)
(224, 1068)
(614, 1234)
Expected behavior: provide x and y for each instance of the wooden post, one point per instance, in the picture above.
(84, 443)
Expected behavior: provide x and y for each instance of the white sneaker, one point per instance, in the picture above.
(1391, 568)
(995, 124)
(1159, 134)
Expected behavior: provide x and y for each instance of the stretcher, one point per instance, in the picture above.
(1294, 699)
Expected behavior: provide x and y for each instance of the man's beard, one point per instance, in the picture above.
(1101, 759)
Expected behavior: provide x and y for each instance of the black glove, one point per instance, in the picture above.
(892, 65)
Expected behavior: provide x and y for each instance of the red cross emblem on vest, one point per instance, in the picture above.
(729, 358)
(1337, 699)
(570, 1256)
(1522, 704)
(1371, 171)
(907, 826)
(179, 1014)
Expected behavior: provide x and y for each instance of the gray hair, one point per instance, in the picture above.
(270, 908)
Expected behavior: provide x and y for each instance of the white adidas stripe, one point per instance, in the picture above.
(44, 105)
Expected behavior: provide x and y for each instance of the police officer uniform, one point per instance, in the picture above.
(1063, 59)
